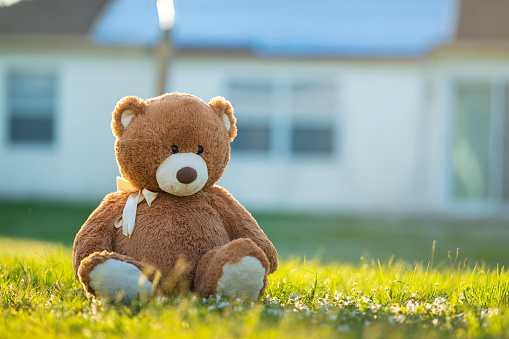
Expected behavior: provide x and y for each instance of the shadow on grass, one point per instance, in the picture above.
(43, 221)
(343, 238)
(331, 238)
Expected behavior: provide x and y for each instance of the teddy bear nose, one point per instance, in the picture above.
(186, 175)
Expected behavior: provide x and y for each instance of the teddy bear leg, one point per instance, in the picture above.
(236, 269)
(109, 275)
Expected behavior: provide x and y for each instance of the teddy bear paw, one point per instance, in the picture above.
(114, 277)
(242, 279)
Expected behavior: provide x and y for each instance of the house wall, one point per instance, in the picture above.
(443, 70)
(377, 121)
(80, 163)
(376, 165)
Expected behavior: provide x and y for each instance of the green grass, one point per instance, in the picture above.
(331, 238)
(343, 239)
(415, 294)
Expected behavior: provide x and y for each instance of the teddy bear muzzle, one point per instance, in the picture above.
(182, 174)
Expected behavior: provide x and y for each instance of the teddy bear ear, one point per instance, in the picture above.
(224, 110)
(126, 109)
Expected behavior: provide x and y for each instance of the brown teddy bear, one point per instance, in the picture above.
(168, 227)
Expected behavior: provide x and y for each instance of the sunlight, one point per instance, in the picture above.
(166, 13)
(5, 3)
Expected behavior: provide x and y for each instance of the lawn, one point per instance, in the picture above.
(330, 282)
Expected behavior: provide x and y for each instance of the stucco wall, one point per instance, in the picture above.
(377, 123)
(378, 166)
(80, 164)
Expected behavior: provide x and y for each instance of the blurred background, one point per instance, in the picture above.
(366, 128)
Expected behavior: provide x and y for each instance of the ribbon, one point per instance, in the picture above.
(136, 197)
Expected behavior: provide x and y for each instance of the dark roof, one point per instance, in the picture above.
(486, 20)
(50, 16)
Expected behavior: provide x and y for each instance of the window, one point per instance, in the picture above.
(312, 140)
(480, 160)
(286, 117)
(31, 102)
(252, 138)
(253, 101)
(313, 110)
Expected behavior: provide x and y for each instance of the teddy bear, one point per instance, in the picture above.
(168, 227)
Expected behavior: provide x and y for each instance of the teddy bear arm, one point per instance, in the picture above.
(240, 224)
(98, 232)
(247, 227)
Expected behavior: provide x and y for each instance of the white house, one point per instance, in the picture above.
(343, 106)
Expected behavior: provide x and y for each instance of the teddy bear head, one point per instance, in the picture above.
(174, 143)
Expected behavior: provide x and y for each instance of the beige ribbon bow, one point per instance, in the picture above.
(129, 214)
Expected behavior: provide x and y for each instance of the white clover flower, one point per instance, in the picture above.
(400, 318)
(395, 309)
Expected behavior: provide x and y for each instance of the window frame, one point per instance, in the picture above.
(282, 119)
(499, 87)
(10, 114)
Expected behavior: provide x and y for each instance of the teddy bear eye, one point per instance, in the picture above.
(200, 150)
(174, 149)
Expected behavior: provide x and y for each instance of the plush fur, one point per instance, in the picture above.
(179, 242)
